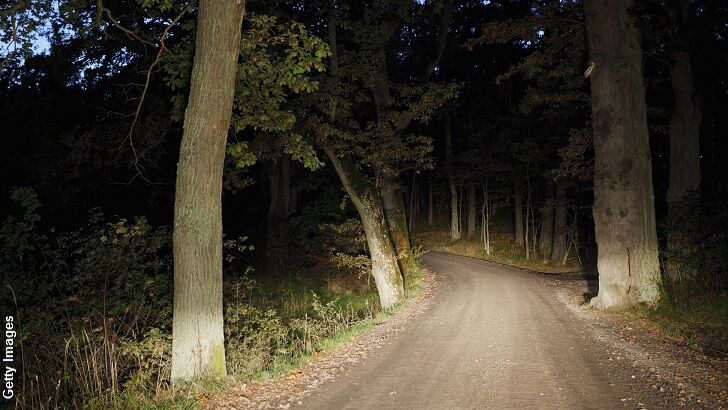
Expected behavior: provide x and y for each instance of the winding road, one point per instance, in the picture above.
(495, 337)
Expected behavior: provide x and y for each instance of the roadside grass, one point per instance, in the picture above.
(503, 251)
(349, 312)
(701, 322)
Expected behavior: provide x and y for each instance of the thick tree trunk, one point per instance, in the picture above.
(385, 267)
(397, 222)
(560, 233)
(276, 247)
(197, 327)
(624, 211)
(684, 155)
(518, 229)
(472, 212)
(546, 233)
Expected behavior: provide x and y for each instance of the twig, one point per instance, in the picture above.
(144, 93)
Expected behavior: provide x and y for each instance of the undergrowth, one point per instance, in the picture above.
(94, 308)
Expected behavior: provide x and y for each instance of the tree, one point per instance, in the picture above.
(197, 340)
(624, 213)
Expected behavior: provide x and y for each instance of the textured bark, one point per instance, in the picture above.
(624, 212)
(472, 211)
(279, 212)
(684, 155)
(397, 222)
(385, 266)
(546, 234)
(454, 216)
(560, 235)
(518, 229)
(197, 327)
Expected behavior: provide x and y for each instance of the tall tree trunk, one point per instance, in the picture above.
(454, 216)
(277, 241)
(518, 229)
(684, 155)
(624, 210)
(485, 213)
(394, 207)
(560, 231)
(197, 326)
(385, 266)
(472, 212)
(546, 233)
(430, 203)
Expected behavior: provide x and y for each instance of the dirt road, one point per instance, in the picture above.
(494, 338)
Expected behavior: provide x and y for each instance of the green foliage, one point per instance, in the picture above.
(277, 61)
(21, 25)
(94, 304)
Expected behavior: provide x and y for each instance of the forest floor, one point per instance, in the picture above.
(484, 335)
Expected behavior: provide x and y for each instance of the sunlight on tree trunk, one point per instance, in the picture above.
(624, 210)
(385, 267)
(197, 340)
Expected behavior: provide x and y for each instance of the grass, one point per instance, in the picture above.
(357, 299)
(701, 322)
(503, 251)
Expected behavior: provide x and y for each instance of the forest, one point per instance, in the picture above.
(203, 193)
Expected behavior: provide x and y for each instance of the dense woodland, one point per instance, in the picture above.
(195, 189)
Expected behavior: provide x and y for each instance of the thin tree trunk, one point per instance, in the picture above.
(454, 217)
(485, 215)
(684, 156)
(277, 240)
(518, 214)
(624, 210)
(546, 233)
(472, 193)
(560, 238)
(197, 325)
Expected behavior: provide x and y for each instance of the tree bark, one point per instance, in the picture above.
(454, 216)
(397, 221)
(560, 230)
(472, 212)
(624, 212)
(197, 327)
(546, 234)
(684, 155)
(385, 266)
(518, 229)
